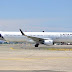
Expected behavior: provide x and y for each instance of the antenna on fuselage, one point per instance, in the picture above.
(42, 31)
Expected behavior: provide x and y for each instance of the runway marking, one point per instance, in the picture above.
(62, 49)
(36, 58)
(12, 48)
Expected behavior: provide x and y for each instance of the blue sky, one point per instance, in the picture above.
(36, 15)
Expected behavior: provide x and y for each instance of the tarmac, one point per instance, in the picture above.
(27, 58)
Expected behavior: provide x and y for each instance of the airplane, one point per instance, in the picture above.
(46, 38)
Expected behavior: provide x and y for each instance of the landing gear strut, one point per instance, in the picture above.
(36, 45)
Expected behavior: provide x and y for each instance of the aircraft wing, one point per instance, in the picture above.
(33, 38)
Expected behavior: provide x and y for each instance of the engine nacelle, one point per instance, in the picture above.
(48, 42)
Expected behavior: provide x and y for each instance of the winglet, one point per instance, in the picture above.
(21, 32)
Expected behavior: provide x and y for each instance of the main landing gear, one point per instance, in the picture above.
(36, 45)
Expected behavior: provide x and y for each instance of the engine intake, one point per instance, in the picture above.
(48, 42)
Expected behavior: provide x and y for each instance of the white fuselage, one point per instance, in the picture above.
(55, 36)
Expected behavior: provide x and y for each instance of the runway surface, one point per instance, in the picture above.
(26, 58)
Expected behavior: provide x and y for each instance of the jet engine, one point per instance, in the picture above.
(48, 42)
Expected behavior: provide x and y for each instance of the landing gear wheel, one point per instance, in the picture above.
(36, 45)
